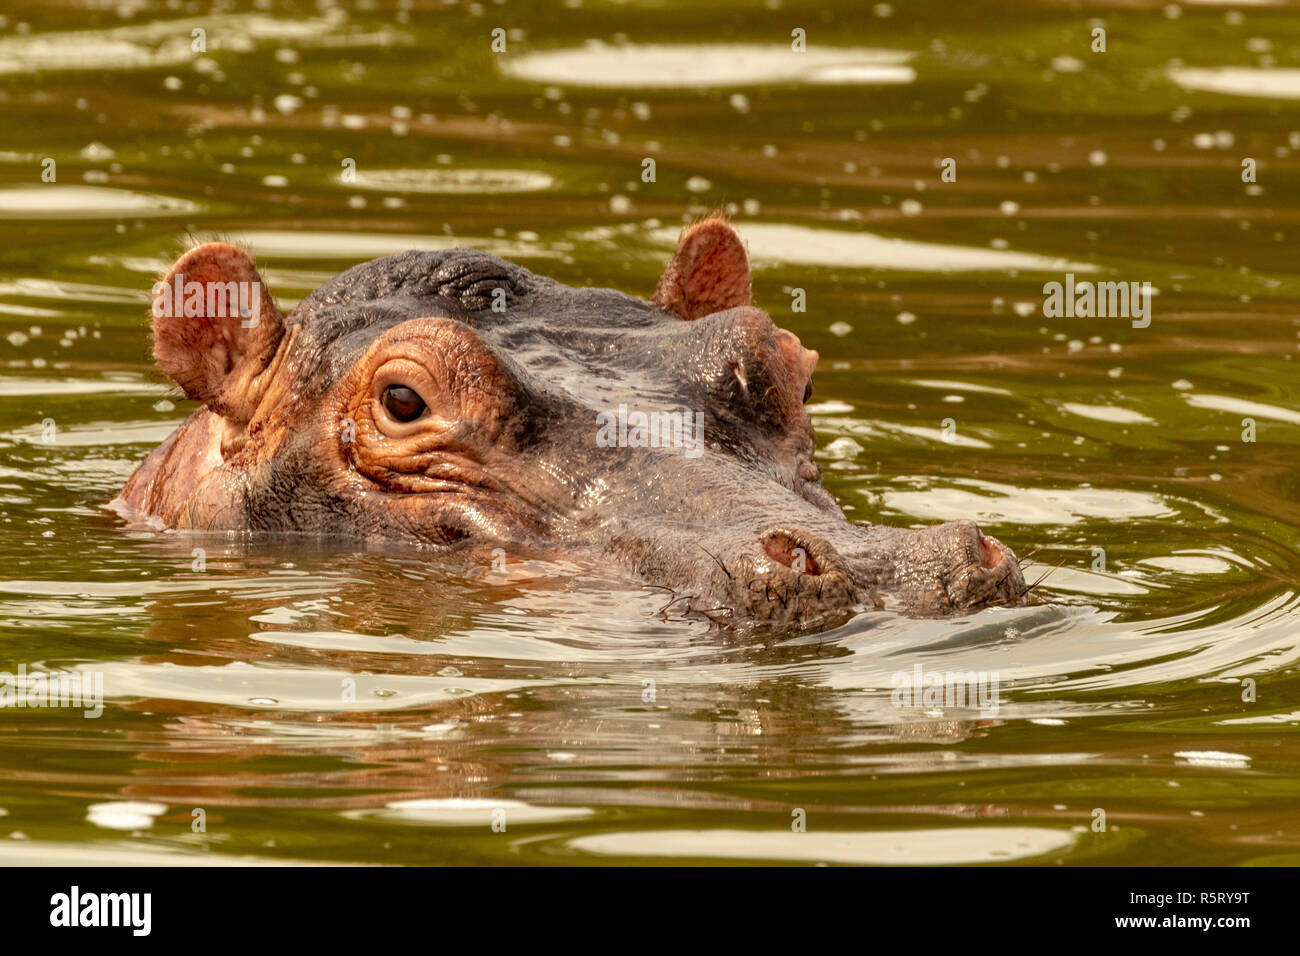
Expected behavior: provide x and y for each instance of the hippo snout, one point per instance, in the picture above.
(799, 574)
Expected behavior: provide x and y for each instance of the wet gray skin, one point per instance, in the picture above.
(453, 399)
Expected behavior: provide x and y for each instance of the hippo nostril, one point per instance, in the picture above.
(785, 548)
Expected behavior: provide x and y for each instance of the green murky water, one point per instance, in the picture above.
(944, 391)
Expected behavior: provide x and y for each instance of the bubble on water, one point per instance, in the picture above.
(698, 184)
(905, 318)
(836, 328)
(1009, 207)
(910, 207)
(1182, 384)
(842, 448)
(450, 671)
(384, 692)
(263, 701)
(17, 338)
(124, 814)
(1097, 157)
(1213, 758)
(620, 205)
(275, 182)
(97, 152)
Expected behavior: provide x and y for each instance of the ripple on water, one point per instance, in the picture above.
(694, 66)
(55, 201)
(1241, 406)
(450, 181)
(467, 812)
(903, 847)
(770, 243)
(1271, 83)
(1108, 413)
(357, 246)
(150, 45)
(267, 687)
(993, 503)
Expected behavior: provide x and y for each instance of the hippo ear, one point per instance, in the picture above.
(216, 328)
(708, 273)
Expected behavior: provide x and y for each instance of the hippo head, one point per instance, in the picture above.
(455, 400)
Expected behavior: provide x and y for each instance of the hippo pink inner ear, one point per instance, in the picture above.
(216, 328)
(708, 273)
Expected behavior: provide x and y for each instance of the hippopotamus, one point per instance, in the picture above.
(455, 401)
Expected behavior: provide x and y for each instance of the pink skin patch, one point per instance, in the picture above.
(990, 553)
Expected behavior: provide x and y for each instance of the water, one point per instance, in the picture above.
(1157, 682)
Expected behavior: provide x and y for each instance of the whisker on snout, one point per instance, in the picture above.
(1025, 559)
(1045, 576)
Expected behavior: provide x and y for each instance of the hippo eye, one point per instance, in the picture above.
(403, 403)
(807, 390)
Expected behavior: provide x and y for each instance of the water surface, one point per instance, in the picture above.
(1158, 680)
